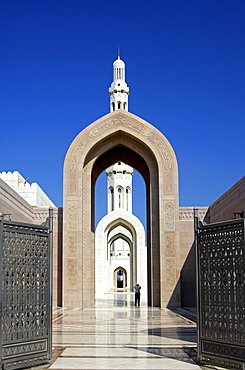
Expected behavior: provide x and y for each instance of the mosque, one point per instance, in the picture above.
(90, 261)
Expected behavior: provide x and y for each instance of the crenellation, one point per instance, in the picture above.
(32, 193)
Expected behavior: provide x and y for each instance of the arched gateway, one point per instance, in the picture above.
(121, 136)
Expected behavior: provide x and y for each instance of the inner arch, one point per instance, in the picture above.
(130, 157)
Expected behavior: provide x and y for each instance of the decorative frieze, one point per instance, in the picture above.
(165, 153)
(168, 165)
(72, 245)
(170, 272)
(169, 217)
(84, 223)
(72, 272)
(103, 126)
(72, 181)
(74, 157)
(170, 244)
(72, 217)
(168, 182)
(187, 214)
(138, 126)
(135, 125)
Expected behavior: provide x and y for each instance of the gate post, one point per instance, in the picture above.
(50, 226)
(1, 272)
(196, 224)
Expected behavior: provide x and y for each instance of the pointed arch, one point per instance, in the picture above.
(124, 279)
(120, 224)
(121, 136)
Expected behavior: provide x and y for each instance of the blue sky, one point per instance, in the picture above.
(185, 66)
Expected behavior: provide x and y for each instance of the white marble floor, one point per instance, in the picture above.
(117, 335)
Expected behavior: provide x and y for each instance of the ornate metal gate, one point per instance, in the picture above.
(221, 293)
(25, 294)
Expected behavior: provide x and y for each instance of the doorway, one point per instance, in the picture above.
(120, 278)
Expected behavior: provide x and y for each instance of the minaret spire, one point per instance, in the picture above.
(119, 90)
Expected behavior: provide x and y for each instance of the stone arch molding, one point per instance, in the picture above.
(120, 223)
(120, 135)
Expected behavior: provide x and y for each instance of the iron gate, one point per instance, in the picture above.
(25, 294)
(221, 293)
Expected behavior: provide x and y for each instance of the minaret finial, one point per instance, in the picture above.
(118, 52)
(119, 90)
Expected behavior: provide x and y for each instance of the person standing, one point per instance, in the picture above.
(137, 288)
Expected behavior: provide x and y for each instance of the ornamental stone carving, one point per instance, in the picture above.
(170, 244)
(72, 183)
(168, 165)
(73, 166)
(155, 155)
(168, 182)
(170, 272)
(72, 217)
(74, 158)
(84, 221)
(102, 127)
(72, 272)
(165, 153)
(137, 126)
(187, 213)
(72, 245)
(169, 217)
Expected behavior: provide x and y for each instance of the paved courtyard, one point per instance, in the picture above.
(117, 335)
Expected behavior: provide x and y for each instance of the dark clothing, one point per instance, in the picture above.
(137, 299)
(137, 288)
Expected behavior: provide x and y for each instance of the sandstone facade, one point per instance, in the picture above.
(16, 208)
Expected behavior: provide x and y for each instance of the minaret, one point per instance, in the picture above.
(119, 90)
(119, 185)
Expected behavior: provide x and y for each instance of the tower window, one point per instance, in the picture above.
(112, 199)
(119, 197)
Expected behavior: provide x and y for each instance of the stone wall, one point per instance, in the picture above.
(187, 254)
(32, 193)
(13, 205)
(231, 201)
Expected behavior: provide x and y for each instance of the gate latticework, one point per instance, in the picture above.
(221, 293)
(25, 294)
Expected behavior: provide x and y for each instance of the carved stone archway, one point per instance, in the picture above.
(120, 223)
(121, 136)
